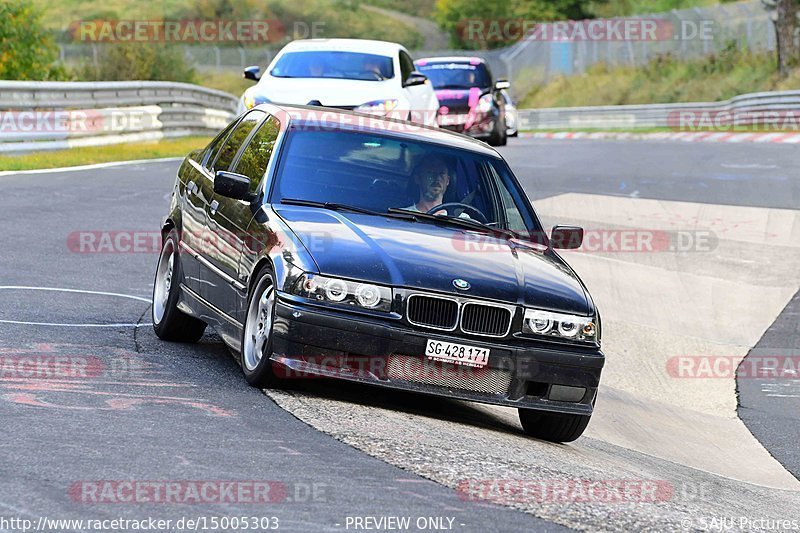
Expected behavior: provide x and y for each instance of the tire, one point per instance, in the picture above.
(257, 333)
(169, 322)
(553, 427)
(499, 136)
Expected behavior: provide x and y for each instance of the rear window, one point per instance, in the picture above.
(334, 64)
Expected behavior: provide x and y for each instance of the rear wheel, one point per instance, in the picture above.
(257, 335)
(169, 322)
(553, 427)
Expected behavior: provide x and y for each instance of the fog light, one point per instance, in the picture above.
(564, 393)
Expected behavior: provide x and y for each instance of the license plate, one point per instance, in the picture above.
(459, 354)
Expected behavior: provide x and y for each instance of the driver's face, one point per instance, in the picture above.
(433, 182)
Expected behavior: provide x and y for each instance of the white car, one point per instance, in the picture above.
(375, 77)
(512, 116)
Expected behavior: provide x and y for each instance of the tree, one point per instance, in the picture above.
(27, 50)
(458, 16)
(785, 16)
(138, 61)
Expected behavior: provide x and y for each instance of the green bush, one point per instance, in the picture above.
(27, 50)
(137, 61)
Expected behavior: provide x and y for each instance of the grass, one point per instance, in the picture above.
(623, 8)
(665, 80)
(224, 80)
(103, 154)
(339, 18)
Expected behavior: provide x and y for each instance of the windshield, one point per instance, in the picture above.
(456, 75)
(379, 172)
(334, 64)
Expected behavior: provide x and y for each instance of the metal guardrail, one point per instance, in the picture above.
(741, 108)
(38, 116)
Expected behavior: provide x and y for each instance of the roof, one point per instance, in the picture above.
(328, 118)
(367, 46)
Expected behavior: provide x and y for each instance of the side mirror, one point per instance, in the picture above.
(502, 84)
(252, 73)
(232, 185)
(415, 78)
(566, 237)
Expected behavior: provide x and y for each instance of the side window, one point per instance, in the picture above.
(235, 140)
(255, 158)
(406, 66)
(511, 217)
(212, 149)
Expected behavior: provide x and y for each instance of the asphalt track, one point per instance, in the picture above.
(158, 411)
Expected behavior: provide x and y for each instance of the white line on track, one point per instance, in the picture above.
(74, 291)
(80, 291)
(89, 167)
(748, 166)
(22, 323)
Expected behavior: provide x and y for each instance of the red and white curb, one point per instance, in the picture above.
(684, 136)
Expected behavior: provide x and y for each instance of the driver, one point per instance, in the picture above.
(316, 69)
(432, 177)
(372, 65)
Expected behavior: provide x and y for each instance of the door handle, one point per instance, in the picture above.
(214, 205)
(191, 187)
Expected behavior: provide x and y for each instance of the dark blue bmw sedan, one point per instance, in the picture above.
(326, 243)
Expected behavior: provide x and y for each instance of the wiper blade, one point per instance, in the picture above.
(455, 221)
(333, 206)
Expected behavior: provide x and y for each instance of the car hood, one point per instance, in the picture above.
(329, 92)
(424, 255)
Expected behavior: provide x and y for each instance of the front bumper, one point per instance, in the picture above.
(481, 128)
(309, 341)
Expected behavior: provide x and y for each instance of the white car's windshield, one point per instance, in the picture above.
(334, 64)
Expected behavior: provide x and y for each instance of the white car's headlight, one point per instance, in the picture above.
(381, 107)
(251, 99)
(485, 103)
(564, 326)
(343, 292)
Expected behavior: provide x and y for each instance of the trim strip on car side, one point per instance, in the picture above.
(201, 169)
(211, 306)
(236, 284)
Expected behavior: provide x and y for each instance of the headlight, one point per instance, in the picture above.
(343, 292)
(382, 107)
(485, 103)
(250, 99)
(559, 325)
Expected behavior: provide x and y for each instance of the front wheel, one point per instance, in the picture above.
(499, 135)
(169, 322)
(553, 427)
(257, 336)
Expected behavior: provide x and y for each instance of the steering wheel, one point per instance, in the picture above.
(451, 206)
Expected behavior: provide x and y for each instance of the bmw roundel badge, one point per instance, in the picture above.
(461, 284)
